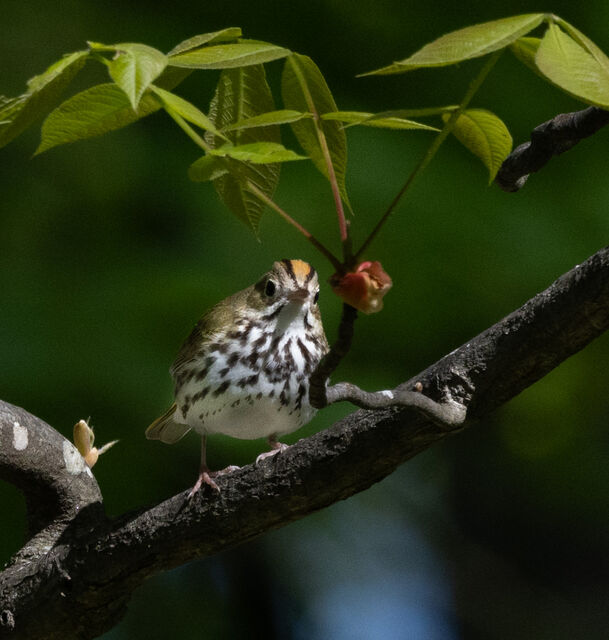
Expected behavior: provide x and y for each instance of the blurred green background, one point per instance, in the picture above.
(109, 255)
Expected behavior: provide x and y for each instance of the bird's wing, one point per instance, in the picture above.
(208, 328)
(166, 429)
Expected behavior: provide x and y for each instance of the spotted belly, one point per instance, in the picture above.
(247, 413)
(248, 396)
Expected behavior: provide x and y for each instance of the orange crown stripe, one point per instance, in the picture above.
(301, 269)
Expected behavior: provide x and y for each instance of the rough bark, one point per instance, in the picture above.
(549, 139)
(79, 587)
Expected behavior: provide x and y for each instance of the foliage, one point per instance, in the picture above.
(240, 135)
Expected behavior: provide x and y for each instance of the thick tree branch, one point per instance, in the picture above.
(80, 587)
(57, 484)
(547, 140)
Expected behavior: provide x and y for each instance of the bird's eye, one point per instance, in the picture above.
(316, 298)
(270, 288)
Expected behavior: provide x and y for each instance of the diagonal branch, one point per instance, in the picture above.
(80, 587)
(549, 139)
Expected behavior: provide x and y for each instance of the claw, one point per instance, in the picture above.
(205, 475)
(276, 447)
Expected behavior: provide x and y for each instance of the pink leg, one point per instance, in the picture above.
(276, 447)
(205, 475)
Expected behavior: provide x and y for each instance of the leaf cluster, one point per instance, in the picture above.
(239, 134)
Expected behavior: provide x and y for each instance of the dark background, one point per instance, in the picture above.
(109, 255)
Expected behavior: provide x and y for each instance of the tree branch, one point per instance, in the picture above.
(549, 139)
(57, 484)
(79, 587)
(318, 391)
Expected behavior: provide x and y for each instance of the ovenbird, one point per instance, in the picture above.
(244, 370)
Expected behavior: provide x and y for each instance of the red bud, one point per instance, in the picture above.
(364, 288)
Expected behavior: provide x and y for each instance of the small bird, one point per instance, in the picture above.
(244, 370)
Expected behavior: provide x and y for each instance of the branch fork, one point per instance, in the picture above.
(448, 413)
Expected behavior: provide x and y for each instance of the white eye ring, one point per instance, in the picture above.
(316, 297)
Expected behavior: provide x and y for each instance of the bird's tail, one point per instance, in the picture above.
(166, 429)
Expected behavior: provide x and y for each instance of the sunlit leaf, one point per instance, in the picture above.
(207, 168)
(282, 116)
(304, 89)
(258, 153)
(90, 113)
(464, 44)
(134, 67)
(244, 93)
(228, 56)
(366, 119)
(185, 109)
(585, 43)
(224, 35)
(485, 135)
(566, 64)
(17, 114)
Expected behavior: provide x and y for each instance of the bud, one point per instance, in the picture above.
(364, 288)
(84, 440)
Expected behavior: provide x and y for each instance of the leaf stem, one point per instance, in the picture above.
(286, 216)
(433, 148)
(323, 144)
(338, 203)
(188, 130)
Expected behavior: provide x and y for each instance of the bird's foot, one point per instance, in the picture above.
(207, 477)
(277, 447)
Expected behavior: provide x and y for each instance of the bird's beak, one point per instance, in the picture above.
(300, 295)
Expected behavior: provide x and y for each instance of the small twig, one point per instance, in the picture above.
(319, 378)
(547, 140)
(450, 413)
(432, 150)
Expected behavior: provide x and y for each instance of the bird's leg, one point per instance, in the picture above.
(276, 447)
(206, 476)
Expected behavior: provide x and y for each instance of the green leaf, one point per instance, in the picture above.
(282, 116)
(485, 135)
(464, 44)
(224, 35)
(244, 93)
(10, 111)
(207, 168)
(258, 153)
(135, 67)
(185, 109)
(64, 69)
(585, 43)
(17, 114)
(92, 112)
(304, 89)
(416, 113)
(228, 56)
(525, 50)
(363, 118)
(570, 67)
